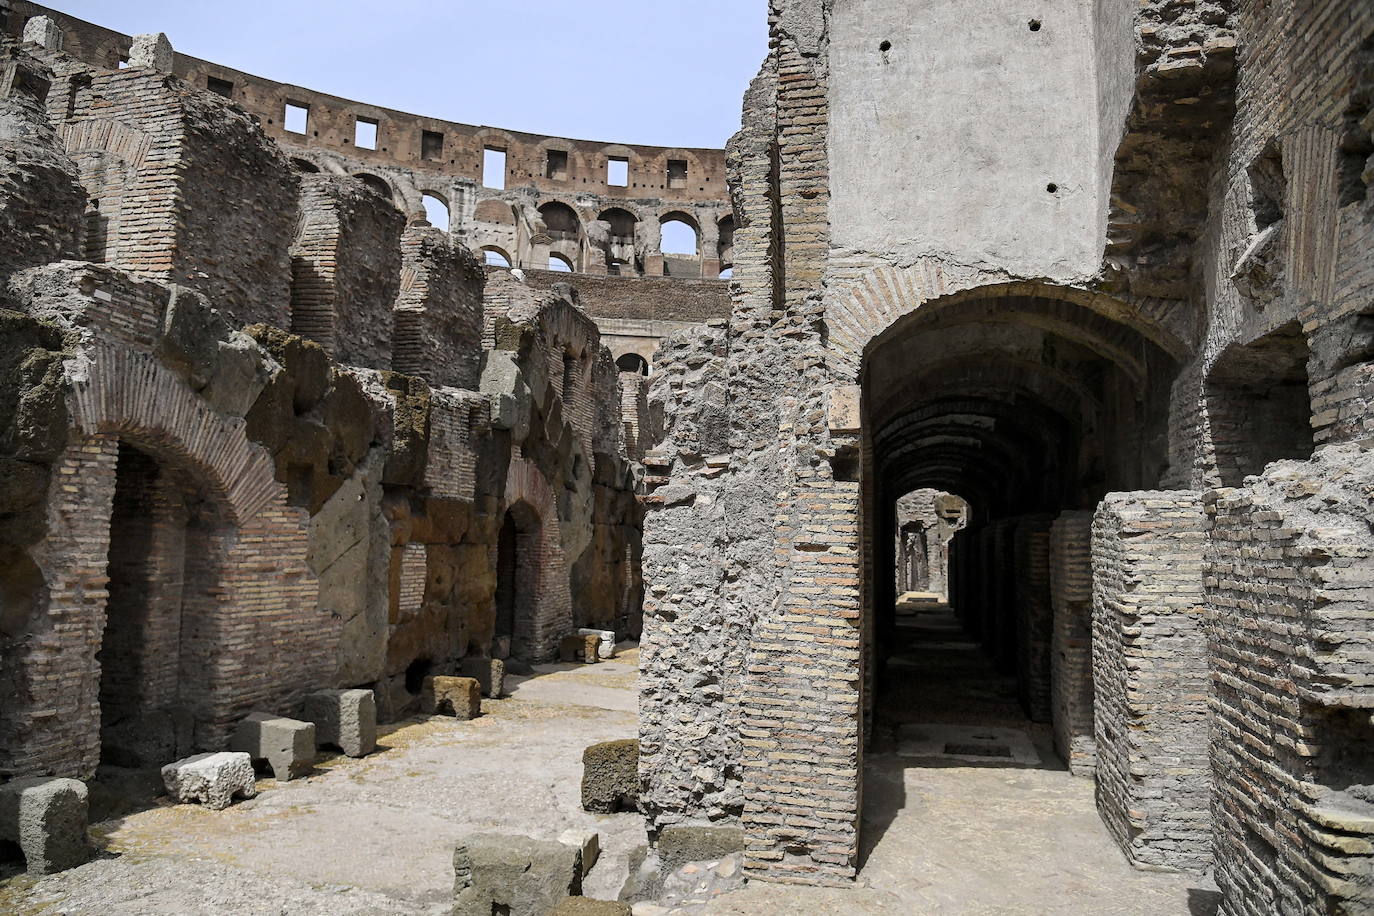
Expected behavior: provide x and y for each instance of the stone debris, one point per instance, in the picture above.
(587, 842)
(287, 745)
(460, 697)
(210, 779)
(517, 875)
(489, 672)
(581, 649)
(46, 819)
(610, 776)
(344, 719)
(606, 648)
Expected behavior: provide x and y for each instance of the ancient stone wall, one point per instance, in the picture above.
(1288, 575)
(1150, 677)
(206, 516)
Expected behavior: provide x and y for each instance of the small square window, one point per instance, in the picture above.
(297, 118)
(677, 173)
(219, 86)
(557, 169)
(618, 173)
(365, 133)
(431, 144)
(494, 168)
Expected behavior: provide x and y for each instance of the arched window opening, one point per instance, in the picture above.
(633, 362)
(495, 257)
(561, 221)
(559, 263)
(727, 234)
(436, 210)
(727, 273)
(622, 223)
(305, 166)
(679, 237)
(376, 184)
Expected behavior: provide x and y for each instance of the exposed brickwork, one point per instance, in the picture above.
(1071, 658)
(1150, 673)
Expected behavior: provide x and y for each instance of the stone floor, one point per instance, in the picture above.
(949, 833)
(944, 832)
(372, 836)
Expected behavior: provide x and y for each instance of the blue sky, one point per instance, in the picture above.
(657, 72)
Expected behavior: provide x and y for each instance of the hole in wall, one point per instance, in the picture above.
(416, 672)
(1034, 25)
(885, 46)
(1052, 188)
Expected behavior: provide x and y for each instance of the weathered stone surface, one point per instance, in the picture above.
(513, 874)
(210, 779)
(586, 906)
(346, 719)
(679, 845)
(46, 819)
(460, 697)
(287, 745)
(581, 649)
(588, 844)
(610, 776)
(489, 672)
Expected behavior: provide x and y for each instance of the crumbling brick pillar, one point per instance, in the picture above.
(1150, 675)
(1290, 566)
(438, 313)
(1071, 662)
(345, 268)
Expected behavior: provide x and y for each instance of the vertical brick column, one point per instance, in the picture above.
(1034, 615)
(1150, 674)
(1071, 662)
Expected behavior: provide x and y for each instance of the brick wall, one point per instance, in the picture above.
(1289, 571)
(345, 270)
(1071, 662)
(438, 311)
(1150, 677)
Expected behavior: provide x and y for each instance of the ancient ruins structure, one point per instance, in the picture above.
(1069, 322)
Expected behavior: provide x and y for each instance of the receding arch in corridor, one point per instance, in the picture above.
(1028, 403)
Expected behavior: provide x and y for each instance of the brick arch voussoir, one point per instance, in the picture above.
(131, 393)
(864, 309)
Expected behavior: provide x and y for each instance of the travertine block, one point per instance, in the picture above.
(605, 641)
(588, 842)
(610, 776)
(210, 779)
(513, 874)
(579, 649)
(460, 697)
(288, 745)
(346, 719)
(46, 818)
(490, 673)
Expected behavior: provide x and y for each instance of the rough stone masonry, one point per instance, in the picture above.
(1064, 315)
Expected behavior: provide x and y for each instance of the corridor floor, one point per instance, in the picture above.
(956, 834)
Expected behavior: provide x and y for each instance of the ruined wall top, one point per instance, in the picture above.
(408, 140)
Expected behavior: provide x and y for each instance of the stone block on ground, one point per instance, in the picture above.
(288, 745)
(346, 719)
(210, 779)
(46, 818)
(488, 672)
(587, 906)
(605, 641)
(516, 875)
(579, 649)
(588, 842)
(677, 846)
(460, 697)
(610, 776)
